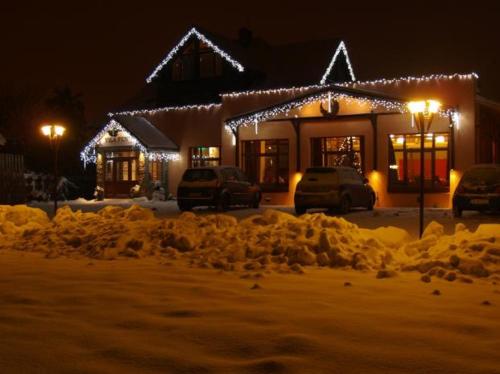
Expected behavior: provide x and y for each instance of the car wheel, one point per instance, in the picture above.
(223, 203)
(457, 211)
(371, 203)
(183, 207)
(299, 210)
(345, 204)
(255, 203)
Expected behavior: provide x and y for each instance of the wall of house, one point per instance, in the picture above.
(187, 128)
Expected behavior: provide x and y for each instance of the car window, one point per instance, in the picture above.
(241, 176)
(327, 175)
(229, 175)
(481, 177)
(355, 177)
(192, 175)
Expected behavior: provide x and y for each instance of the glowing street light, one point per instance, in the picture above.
(54, 132)
(423, 112)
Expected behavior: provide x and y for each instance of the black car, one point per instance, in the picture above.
(479, 189)
(333, 187)
(220, 186)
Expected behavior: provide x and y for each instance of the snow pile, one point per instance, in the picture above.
(269, 241)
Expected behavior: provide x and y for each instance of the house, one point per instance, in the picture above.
(276, 110)
(12, 189)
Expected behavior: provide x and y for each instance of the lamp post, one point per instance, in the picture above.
(54, 133)
(423, 112)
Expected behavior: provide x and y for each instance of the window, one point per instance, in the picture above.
(120, 166)
(404, 163)
(266, 162)
(338, 151)
(196, 60)
(155, 170)
(204, 156)
(210, 62)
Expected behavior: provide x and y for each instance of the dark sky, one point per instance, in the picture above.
(106, 49)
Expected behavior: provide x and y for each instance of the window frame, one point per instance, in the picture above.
(191, 153)
(405, 186)
(255, 156)
(191, 54)
(324, 153)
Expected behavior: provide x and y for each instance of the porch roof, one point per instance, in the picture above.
(265, 113)
(147, 134)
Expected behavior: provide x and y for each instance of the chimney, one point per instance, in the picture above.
(245, 37)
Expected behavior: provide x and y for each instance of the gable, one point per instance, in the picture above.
(194, 33)
(339, 55)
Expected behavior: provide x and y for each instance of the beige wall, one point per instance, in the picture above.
(187, 128)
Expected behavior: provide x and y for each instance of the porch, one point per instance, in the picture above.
(340, 126)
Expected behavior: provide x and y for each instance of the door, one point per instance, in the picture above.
(120, 173)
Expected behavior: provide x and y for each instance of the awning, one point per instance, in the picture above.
(141, 134)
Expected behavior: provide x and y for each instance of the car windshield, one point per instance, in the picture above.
(482, 177)
(192, 175)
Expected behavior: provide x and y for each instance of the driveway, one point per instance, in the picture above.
(406, 218)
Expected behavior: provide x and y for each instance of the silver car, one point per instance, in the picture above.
(333, 187)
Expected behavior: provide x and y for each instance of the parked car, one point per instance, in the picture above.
(333, 187)
(220, 186)
(478, 189)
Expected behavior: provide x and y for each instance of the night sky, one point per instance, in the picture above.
(105, 50)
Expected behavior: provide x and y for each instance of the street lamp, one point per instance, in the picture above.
(423, 112)
(54, 132)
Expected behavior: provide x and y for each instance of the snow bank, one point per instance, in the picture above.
(270, 241)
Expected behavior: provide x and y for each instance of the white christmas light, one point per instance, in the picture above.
(183, 41)
(166, 109)
(264, 115)
(424, 78)
(341, 48)
(273, 91)
(88, 154)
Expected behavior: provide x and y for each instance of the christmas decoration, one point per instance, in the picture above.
(88, 154)
(341, 48)
(202, 38)
(166, 109)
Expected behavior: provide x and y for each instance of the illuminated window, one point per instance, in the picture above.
(338, 151)
(404, 163)
(204, 156)
(155, 170)
(120, 166)
(266, 162)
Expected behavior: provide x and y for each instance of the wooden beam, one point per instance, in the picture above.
(343, 117)
(451, 143)
(236, 134)
(373, 120)
(296, 126)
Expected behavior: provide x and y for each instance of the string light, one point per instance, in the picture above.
(273, 91)
(341, 48)
(264, 115)
(166, 109)
(183, 41)
(423, 78)
(88, 154)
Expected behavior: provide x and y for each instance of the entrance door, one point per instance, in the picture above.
(120, 173)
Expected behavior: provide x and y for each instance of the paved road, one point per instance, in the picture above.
(406, 218)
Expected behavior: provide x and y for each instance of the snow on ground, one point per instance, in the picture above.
(142, 316)
(273, 241)
(269, 293)
(406, 218)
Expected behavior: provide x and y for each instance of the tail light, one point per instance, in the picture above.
(497, 189)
